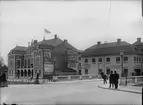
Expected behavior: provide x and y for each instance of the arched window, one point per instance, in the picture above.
(25, 73)
(21, 73)
(29, 73)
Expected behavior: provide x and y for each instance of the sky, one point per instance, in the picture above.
(82, 23)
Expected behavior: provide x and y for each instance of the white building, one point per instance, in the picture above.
(106, 57)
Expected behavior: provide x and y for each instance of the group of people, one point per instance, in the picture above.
(113, 79)
(3, 79)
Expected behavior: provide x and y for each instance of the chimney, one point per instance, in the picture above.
(98, 43)
(28, 44)
(35, 41)
(138, 39)
(55, 36)
(65, 41)
(118, 40)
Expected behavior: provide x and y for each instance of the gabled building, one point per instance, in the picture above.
(106, 57)
(38, 57)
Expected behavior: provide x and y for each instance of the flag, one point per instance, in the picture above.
(46, 31)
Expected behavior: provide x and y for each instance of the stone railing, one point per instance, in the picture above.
(131, 79)
(55, 79)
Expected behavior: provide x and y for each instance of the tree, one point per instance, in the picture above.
(1, 61)
(3, 67)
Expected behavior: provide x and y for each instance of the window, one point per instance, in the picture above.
(135, 59)
(79, 72)
(79, 58)
(86, 60)
(139, 59)
(18, 63)
(125, 59)
(29, 62)
(37, 60)
(108, 60)
(125, 72)
(100, 60)
(117, 59)
(86, 71)
(93, 60)
(25, 62)
(108, 71)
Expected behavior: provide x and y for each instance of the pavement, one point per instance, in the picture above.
(83, 92)
(128, 88)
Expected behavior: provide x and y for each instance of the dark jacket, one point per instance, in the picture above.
(116, 77)
(111, 78)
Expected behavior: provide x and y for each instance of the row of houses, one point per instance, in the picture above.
(58, 57)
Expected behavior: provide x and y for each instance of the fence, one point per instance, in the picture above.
(131, 79)
(55, 79)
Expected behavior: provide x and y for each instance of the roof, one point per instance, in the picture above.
(65, 46)
(18, 50)
(138, 43)
(111, 49)
(112, 44)
(54, 42)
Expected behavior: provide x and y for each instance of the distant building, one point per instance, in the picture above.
(106, 57)
(44, 57)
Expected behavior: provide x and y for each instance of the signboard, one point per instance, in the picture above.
(48, 68)
(72, 60)
(47, 57)
(86, 66)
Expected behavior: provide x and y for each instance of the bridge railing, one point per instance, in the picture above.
(131, 79)
(55, 79)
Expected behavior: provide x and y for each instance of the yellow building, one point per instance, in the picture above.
(106, 57)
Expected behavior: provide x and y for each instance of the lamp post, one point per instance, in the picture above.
(54, 61)
(122, 54)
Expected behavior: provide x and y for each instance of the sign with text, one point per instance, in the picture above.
(48, 68)
(47, 57)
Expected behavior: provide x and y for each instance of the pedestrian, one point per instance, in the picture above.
(0, 79)
(37, 79)
(116, 78)
(4, 80)
(104, 77)
(111, 80)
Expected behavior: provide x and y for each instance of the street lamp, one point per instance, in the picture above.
(54, 71)
(122, 54)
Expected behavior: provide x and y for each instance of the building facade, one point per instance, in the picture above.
(107, 57)
(39, 57)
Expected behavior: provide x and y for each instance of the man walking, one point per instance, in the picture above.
(116, 78)
(111, 82)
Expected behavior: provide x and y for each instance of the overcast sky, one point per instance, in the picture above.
(82, 23)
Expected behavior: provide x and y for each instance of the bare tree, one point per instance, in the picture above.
(1, 61)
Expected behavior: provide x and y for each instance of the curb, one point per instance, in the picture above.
(120, 90)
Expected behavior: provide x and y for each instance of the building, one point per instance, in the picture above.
(106, 57)
(38, 57)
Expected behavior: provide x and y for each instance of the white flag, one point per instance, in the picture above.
(46, 31)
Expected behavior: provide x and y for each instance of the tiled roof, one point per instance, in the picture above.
(111, 49)
(64, 47)
(18, 50)
(137, 43)
(112, 44)
(54, 42)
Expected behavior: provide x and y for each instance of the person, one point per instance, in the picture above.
(37, 79)
(0, 80)
(104, 77)
(4, 80)
(116, 78)
(111, 80)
